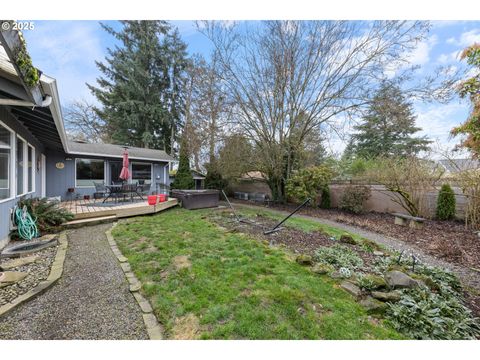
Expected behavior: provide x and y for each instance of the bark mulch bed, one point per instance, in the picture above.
(446, 240)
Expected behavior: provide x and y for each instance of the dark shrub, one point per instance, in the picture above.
(325, 201)
(354, 197)
(446, 203)
(47, 214)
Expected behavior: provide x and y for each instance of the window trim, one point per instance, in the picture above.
(32, 171)
(141, 163)
(12, 183)
(88, 186)
(24, 169)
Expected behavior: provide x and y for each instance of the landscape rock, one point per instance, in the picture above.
(378, 253)
(351, 288)
(12, 276)
(347, 239)
(400, 280)
(322, 269)
(391, 296)
(304, 260)
(377, 281)
(11, 264)
(373, 306)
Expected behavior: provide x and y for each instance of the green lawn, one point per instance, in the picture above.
(205, 282)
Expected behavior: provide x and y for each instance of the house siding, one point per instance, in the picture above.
(59, 180)
(7, 206)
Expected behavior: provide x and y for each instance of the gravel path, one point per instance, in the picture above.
(469, 277)
(90, 301)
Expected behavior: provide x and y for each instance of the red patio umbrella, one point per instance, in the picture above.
(125, 173)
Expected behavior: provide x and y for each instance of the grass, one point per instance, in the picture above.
(204, 282)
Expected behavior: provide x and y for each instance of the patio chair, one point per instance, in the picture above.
(100, 191)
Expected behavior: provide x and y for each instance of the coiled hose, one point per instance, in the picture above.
(26, 226)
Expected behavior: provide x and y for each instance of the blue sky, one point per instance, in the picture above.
(67, 50)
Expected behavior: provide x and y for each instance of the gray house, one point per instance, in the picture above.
(37, 160)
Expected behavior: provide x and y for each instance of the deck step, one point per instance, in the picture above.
(89, 221)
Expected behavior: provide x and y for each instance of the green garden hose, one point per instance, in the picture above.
(26, 227)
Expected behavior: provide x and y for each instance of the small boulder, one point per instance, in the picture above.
(378, 253)
(391, 296)
(374, 282)
(373, 306)
(12, 276)
(400, 280)
(304, 260)
(347, 239)
(351, 288)
(322, 269)
(14, 263)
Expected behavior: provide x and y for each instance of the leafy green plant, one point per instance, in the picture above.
(370, 282)
(325, 200)
(446, 203)
(47, 214)
(354, 197)
(306, 183)
(422, 314)
(24, 63)
(339, 256)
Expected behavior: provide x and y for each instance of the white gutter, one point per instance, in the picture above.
(117, 157)
(50, 87)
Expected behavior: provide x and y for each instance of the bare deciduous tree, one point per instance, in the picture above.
(83, 123)
(289, 78)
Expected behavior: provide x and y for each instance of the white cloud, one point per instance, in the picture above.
(421, 54)
(453, 56)
(67, 50)
(466, 38)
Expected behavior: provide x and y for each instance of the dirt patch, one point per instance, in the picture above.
(186, 328)
(181, 262)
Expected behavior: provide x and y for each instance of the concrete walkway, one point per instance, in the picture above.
(91, 301)
(468, 276)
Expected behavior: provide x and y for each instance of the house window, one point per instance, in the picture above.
(31, 169)
(89, 171)
(5, 156)
(21, 165)
(142, 172)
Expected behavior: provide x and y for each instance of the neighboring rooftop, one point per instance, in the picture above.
(116, 151)
(457, 165)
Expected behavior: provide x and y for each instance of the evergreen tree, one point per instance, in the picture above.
(183, 177)
(446, 203)
(142, 83)
(387, 128)
(214, 179)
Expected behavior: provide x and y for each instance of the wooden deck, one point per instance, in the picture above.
(89, 209)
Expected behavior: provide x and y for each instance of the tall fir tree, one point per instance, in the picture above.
(142, 83)
(388, 128)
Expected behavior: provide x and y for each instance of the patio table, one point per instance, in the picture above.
(114, 190)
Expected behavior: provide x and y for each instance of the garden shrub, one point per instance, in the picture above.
(325, 200)
(354, 197)
(306, 183)
(339, 256)
(446, 203)
(47, 214)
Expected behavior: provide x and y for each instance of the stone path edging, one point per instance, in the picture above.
(55, 273)
(152, 326)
